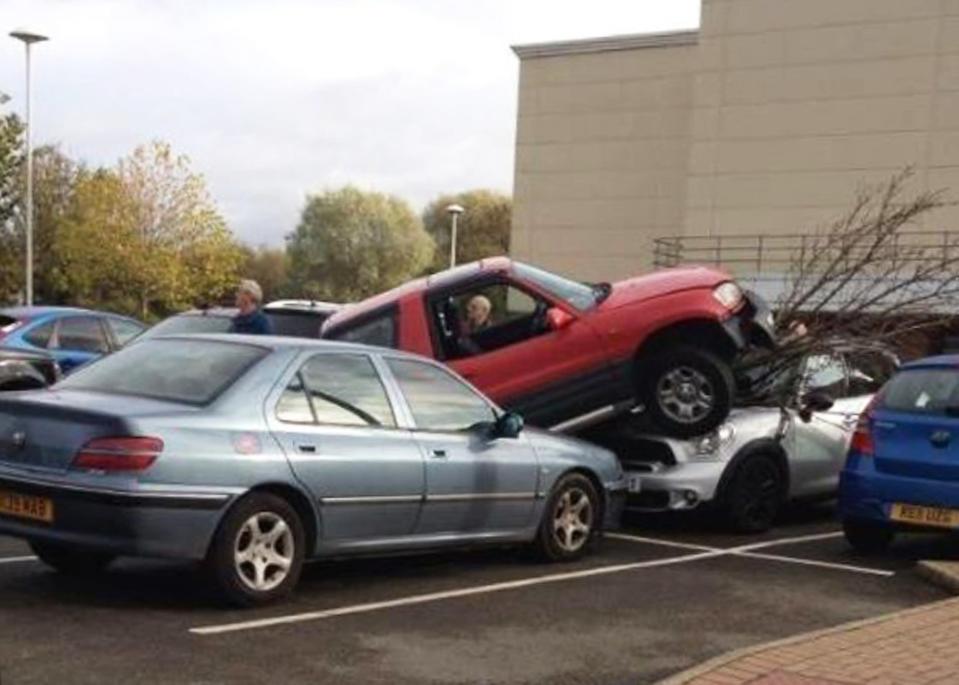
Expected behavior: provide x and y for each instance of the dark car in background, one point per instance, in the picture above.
(27, 369)
(292, 318)
(72, 336)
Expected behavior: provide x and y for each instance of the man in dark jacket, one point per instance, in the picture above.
(250, 319)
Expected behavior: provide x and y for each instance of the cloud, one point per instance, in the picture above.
(273, 100)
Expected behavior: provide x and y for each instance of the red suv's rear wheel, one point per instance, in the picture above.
(686, 391)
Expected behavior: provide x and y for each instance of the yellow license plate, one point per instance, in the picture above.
(925, 516)
(26, 506)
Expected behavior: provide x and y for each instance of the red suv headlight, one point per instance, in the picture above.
(729, 295)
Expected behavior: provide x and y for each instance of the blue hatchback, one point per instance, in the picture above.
(73, 336)
(902, 472)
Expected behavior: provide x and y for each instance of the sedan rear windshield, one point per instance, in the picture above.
(923, 391)
(185, 371)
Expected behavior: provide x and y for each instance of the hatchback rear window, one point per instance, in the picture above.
(296, 324)
(186, 371)
(923, 391)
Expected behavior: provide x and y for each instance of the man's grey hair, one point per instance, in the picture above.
(251, 288)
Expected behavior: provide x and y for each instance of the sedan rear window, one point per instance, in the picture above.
(923, 391)
(186, 371)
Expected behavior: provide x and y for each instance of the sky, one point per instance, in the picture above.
(276, 99)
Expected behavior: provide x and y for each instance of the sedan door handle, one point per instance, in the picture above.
(309, 449)
(438, 454)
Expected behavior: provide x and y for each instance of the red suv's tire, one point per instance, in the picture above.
(686, 391)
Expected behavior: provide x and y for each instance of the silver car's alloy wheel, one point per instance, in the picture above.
(264, 551)
(685, 395)
(572, 519)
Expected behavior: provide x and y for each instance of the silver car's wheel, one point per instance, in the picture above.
(257, 553)
(685, 395)
(572, 520)
(264, 551)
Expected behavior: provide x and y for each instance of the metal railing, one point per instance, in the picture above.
(774, 253)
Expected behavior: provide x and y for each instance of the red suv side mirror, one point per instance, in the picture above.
(558, 319)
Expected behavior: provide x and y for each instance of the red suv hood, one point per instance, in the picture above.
(661, 283)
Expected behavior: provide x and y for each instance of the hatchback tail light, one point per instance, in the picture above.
(118, 454)
(862, 440)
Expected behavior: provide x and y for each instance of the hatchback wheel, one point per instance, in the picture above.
(686, 391)
(257, 554)
(755, 494)
(570, 519)
(70, 560)
(866, 537)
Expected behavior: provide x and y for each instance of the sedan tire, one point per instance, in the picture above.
(70, 560)
(258, 551)
(570, 519)
(686, 391)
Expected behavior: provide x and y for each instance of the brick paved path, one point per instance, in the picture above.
(914, 647)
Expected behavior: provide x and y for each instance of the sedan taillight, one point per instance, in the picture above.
(118, 454)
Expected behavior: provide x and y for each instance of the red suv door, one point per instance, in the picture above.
(532, 354)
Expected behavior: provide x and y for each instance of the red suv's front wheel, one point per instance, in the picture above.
(686, 391)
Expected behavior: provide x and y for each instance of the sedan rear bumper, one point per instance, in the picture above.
(169, 524)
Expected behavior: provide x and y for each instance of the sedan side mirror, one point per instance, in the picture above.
(558, 319)
(508, 425)
(813, 401)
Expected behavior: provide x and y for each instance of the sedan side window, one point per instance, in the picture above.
(124, 330)
(82, 334)
(40, 336)
(337, 389)
(438, 400)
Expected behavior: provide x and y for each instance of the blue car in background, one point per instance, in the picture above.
(902, 472)
(72, 336)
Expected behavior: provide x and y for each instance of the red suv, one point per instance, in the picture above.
(566, 354)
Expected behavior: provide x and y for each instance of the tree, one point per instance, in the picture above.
(144, 238)
(865, 281)
(350, 244)
(11, 184)
(268, 266)
(482, 230)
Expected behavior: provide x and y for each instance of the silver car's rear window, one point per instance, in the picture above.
(185, 371)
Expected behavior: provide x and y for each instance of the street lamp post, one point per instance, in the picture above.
(454, 211)
(29, 38)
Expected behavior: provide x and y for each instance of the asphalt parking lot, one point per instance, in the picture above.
(662, 594)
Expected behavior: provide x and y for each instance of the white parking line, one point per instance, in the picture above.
(820, 564)
(700, 552)
(749, 551)
(449, 594)
(16, 560)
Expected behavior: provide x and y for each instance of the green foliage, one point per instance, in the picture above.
(350, 244)
(268, 266)
(11, 181)
(144, 239)
(482, 229)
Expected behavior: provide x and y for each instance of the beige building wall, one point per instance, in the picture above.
(602, 147)
(789, 107)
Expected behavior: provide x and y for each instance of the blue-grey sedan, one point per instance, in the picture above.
(254, 454)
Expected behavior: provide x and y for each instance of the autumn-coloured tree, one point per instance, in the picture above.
(268, 266)
(350, 244)
(483, 229)
(145, 238)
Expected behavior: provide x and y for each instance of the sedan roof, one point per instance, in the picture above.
(278, 342)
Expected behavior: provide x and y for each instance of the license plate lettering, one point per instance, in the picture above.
(929, 516)
(26, 506)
